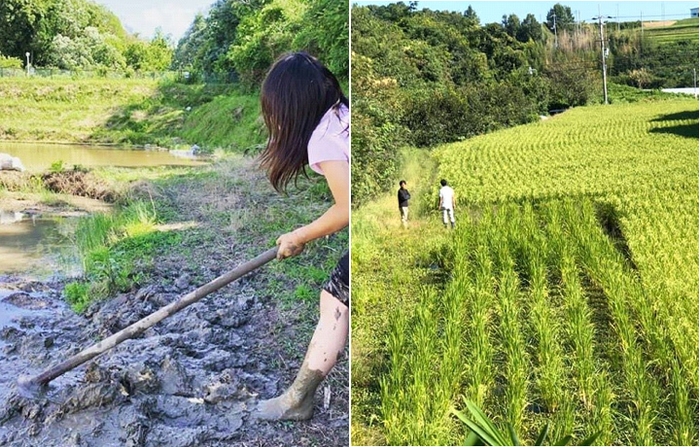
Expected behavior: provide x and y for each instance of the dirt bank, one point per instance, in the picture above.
(192, 379)
(76, 182)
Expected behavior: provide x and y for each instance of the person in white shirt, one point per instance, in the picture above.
(447, 203)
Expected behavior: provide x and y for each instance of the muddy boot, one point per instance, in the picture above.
(296, 403)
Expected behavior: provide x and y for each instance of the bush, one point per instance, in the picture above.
(10, 62)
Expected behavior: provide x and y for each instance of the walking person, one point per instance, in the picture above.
(447, 203)
(307, 116)
(403, 196)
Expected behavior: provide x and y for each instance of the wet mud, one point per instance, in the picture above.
(192, 380)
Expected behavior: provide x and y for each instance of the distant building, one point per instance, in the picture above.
(693, 12)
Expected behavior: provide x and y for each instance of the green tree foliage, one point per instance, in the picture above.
(72, 34)
(188, 54)
(265, 35)
(423, 77)
(511, 24)
(245, 36)
(530, 29)
(324, 33)
(470, 15)
(19, 21)
(562, 16)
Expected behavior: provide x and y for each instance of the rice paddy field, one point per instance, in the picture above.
(681, 30)
(568, 294)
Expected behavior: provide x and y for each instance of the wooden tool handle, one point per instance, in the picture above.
(146, 322)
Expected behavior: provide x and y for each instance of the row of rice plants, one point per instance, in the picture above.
(515, 368)
(641, 389)
(548, 355)
(423, 371)
(657, 228)
(578, 327)
(655, 357)
(471, 340)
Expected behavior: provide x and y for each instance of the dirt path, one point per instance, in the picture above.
(192, 379)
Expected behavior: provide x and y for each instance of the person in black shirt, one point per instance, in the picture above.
(403, 197)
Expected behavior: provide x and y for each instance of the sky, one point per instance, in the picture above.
(493, 11)
(145, 16)
(175, 16)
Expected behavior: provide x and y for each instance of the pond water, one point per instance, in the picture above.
(40, 245)
(39, 157)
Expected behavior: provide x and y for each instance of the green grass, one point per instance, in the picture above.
(129, 112)
(567, 295)
(116, 249)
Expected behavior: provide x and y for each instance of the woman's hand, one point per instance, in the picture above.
(290, 244)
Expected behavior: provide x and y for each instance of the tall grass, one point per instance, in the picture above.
(114, 249)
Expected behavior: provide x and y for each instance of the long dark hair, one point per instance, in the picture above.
(296, 93)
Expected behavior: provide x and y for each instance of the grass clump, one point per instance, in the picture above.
(116, 250)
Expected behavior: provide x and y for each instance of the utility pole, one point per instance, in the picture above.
(556, 42)
(618, 18)
(602, 57)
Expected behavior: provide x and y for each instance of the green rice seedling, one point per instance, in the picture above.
(642, 387)
(577, 246)
(480, 349)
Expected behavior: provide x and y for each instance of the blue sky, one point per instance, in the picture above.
(175, 16)
(492, 11)
(145, 16)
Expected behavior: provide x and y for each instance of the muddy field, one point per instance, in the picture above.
(191, 380)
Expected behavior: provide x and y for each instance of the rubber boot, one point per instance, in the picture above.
(296, 403)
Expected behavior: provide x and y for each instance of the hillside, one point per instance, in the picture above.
(129, 112)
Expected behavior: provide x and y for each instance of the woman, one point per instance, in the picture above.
(307, 116)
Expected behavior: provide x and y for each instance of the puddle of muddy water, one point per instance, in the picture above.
(40, 245)
(40, 157)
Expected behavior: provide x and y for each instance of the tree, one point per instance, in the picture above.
(188, 51)
(470, 14)
(563, 17)
(511, 24)
(324, 33)
(19, 21)
(530, 29)
(160, 53)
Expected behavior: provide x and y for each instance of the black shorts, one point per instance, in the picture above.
(339, 283)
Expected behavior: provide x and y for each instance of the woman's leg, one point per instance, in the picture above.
(327, 343)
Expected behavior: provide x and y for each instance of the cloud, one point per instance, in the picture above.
(172, 20)
(172, 16)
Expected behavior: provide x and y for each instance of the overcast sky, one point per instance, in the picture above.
(144, 16)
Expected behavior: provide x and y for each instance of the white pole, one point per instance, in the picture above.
(602, 56)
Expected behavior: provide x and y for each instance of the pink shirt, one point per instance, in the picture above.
(331, 139)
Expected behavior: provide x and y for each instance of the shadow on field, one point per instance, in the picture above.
(683, 130)
(610, 222)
